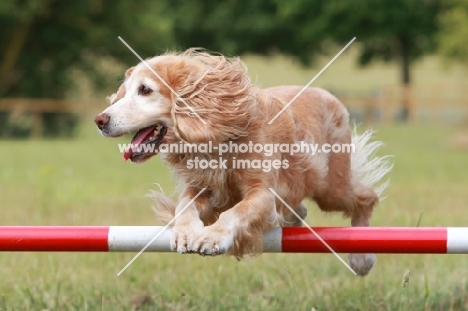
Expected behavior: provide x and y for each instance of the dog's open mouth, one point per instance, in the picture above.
(145, 143)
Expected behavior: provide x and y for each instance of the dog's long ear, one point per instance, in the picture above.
(218, 92)
(188, 127)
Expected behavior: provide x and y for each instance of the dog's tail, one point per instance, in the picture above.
(165, 207)
(368, 168)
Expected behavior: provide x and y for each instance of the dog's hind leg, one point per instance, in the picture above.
(345, 193)
(367, 171)
(366, 200)
(355, 201)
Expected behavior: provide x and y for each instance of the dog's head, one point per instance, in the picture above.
(194, 97)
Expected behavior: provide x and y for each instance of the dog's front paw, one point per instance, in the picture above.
(362, 263)
(213, 240)
(183, 236)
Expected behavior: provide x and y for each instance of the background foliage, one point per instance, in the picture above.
(43, 41)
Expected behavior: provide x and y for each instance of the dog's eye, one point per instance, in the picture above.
(144, 90)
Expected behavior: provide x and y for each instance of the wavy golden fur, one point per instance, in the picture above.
(238, 207)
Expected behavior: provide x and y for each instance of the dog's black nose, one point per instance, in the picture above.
(102, 120)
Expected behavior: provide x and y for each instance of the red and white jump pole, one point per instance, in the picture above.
(397, 240)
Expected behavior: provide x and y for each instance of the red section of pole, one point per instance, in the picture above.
(54, 239)
(366, 240)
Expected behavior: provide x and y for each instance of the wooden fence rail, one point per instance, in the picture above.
(425, 103)
(37, 107)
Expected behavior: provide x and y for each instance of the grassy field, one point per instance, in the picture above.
(85, 182)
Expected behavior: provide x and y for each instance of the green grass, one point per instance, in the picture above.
(85, 182)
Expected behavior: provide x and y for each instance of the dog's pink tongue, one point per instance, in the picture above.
(137, 140)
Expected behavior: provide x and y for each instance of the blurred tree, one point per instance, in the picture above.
(390, 30)
(454, 31)
(43, 40)
(235, 27)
